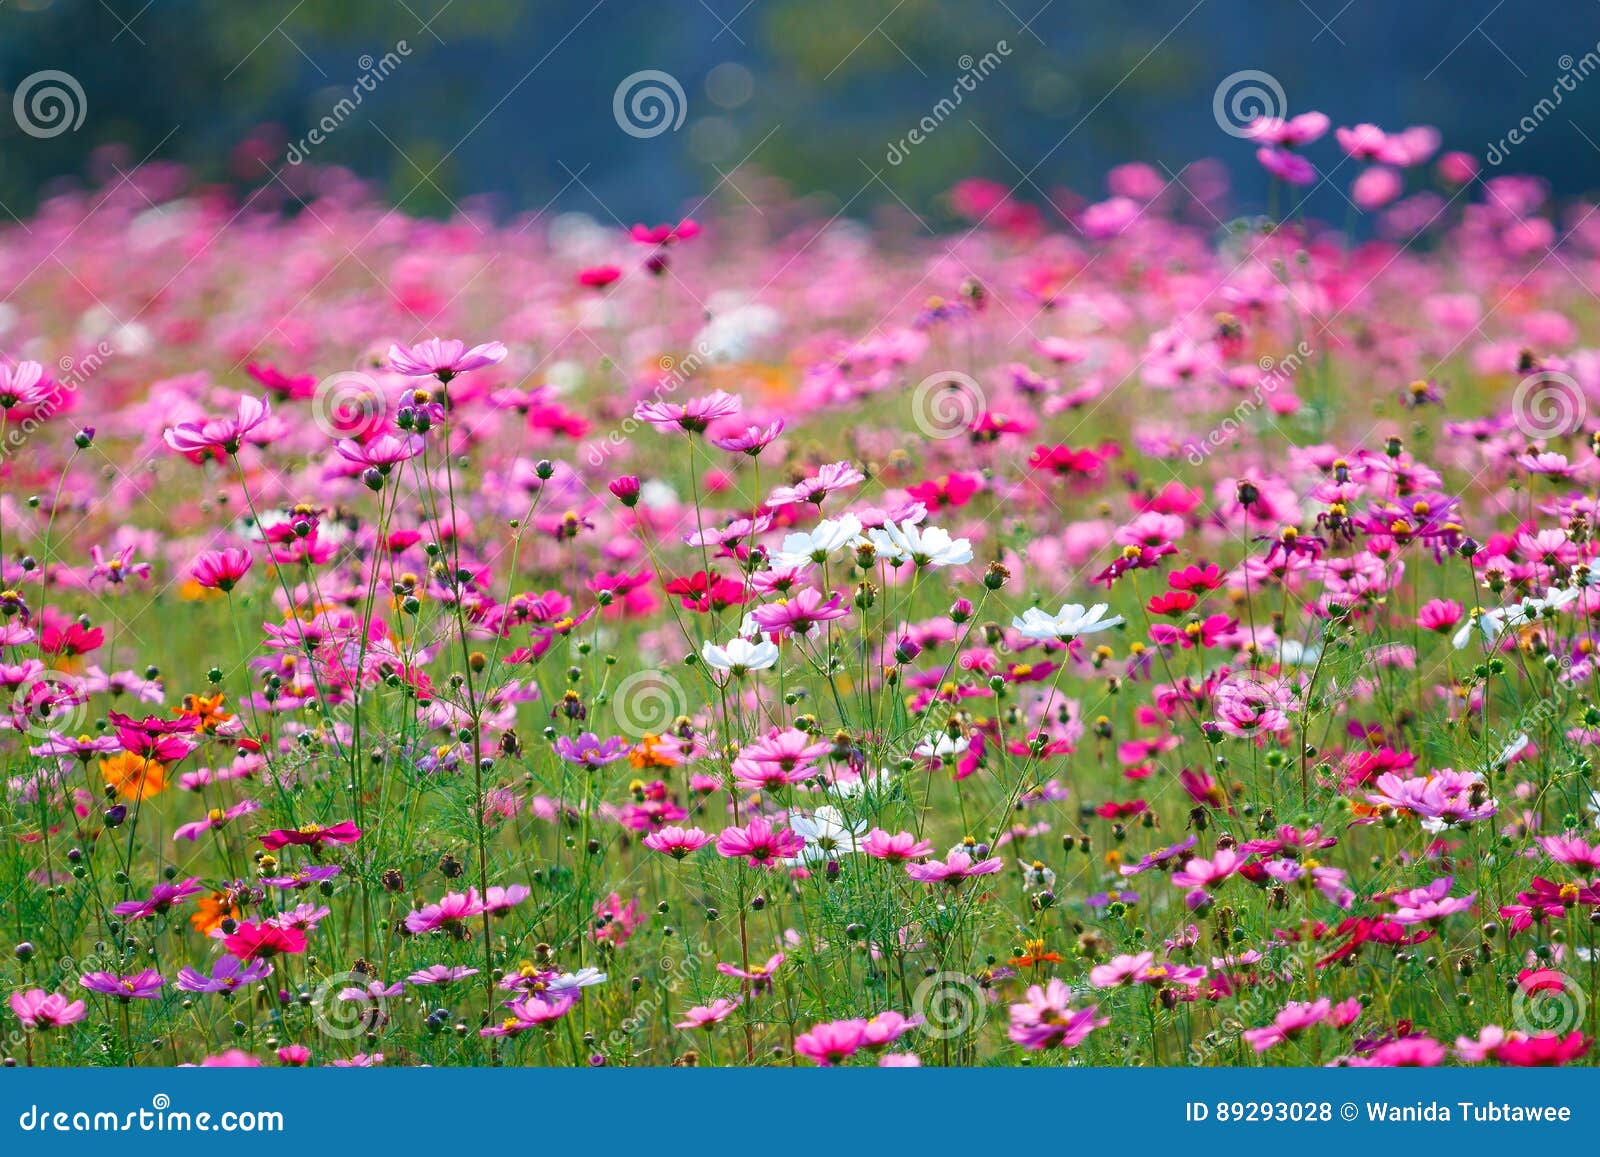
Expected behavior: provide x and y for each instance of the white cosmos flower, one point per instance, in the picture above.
(1294, 653)
(939, 745)
(1489, 624)
(1070, 622)
(1513, 749)
(740, 656)
(877, 782)
(583, 978)
(827, 835)
(827, 536)
(925, 546)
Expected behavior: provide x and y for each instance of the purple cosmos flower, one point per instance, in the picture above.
(589, 750)
(1045, 1020)
(303, 877)
(144, 985)
(375, 991)
(229, 974)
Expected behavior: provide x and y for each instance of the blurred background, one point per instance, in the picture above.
(518, 105)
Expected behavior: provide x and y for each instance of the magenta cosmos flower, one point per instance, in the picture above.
(311, 836)
(163, 897)
(759, 842)
(443, 359)
(219, 436)
(221, 570)
(800, 613)
(39, 1010)
(956, 867)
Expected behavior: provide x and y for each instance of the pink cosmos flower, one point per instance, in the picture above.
(163, 897)
(1294, 132)
(956, 867)
(1571, 849)
(311, 836)
(676, 842)
(885, 1028)
(24, 384)
(1045, 1019)
(1288, 167)
(217, 437)
(759, 975)
(830, 1043)
(443, 359)
(693, 416)
(1202, 873)
(707, 1015)
(449, 914)
(39, 1010)
(897, 848)
(215, 818)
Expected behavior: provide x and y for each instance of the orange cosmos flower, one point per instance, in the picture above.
(211, 911)
(208, 711)
(133, 776)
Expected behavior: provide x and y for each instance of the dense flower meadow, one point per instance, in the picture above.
(1122, 633)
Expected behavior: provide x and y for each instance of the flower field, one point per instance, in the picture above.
(1122, 633)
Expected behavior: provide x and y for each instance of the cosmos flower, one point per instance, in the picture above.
(1072, 621)
(443, 359)
(39, 1010)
